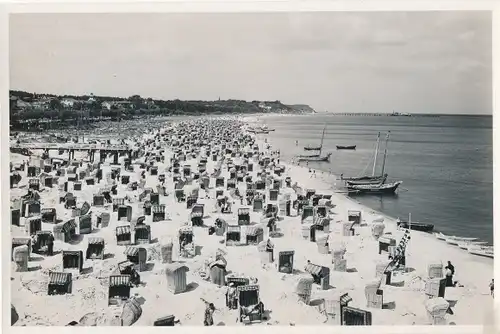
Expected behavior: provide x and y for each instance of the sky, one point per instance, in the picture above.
(411, 62)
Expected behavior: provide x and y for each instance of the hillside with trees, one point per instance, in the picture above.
(36, 109)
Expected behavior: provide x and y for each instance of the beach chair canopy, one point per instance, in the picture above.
(254, 231)
(69, 225)
(59, 278)
(243, 211)
(316, 270)
(96, 241)
(131, 251)
(175, 267)
(124, 229)
(119, 280)
(186, 230)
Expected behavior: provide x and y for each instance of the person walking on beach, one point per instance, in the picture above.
(34, 243)
(50, 245)
(231, 296)
(492, 287)
(450, 271)
(209, 313)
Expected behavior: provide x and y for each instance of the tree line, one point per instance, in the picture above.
(89, 108)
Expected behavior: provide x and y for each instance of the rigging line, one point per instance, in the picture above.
(364, 169)
(366, 166)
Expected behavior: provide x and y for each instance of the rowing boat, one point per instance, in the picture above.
(441, 236)
(486, 251)
(422, 227)
(466, 244)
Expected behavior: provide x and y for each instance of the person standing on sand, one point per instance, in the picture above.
(231, 296)
(492, 287)
(209, 313)
(34, 243)
(450, 271)
(50, 245)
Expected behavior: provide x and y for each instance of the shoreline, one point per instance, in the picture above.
(354, 200)
(333, 178)
(277, 289)
(418, 239)
(329, 177)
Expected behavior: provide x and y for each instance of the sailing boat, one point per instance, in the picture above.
(369, 179)
(375, 188)
(316, 157)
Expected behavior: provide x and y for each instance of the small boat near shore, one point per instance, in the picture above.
(312, 148)
(422, 227)
(315, 157)
(265, 128)
(349, 147)
(486, 251)
(453, 242)
(444, 237)
(466, 244)
(375, 180)
(379, 189)
(258, 131)
(366, 180)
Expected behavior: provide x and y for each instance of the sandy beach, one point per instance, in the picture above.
(470, 302)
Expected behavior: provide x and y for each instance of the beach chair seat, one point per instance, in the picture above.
(95, 248)
(251, 308)
(34, 184)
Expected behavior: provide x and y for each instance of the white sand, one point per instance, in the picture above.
(35, 307)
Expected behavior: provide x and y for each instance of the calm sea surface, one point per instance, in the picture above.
(445, 163)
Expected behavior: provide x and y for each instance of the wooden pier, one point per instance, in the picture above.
(102, 149)
(69, 146)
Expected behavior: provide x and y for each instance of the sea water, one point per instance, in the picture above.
(445, 163)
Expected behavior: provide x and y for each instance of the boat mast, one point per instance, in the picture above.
(376, 154)
(322, 137)
(385, 152)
